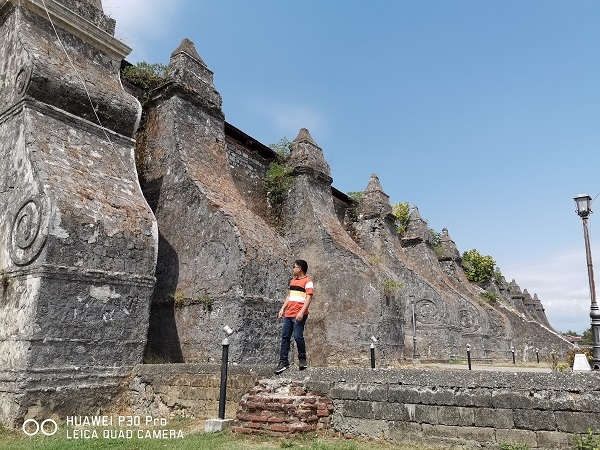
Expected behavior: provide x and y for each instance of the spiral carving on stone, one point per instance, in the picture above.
(427, 311)
(28, 233)
(22, 80)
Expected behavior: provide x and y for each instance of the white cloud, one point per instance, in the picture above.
(138, 21)
(561, 283)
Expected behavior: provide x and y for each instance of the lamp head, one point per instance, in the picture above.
(227, 330)
(584, 205)
(468, 347)
(374, 339)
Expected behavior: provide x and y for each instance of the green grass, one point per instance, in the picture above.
(194, 440)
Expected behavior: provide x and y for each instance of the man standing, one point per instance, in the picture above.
(294, 312)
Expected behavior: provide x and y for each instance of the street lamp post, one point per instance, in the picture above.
(512, 349)
(584, 203)
(414, 324)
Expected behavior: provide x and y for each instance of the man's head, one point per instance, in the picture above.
(303, 265)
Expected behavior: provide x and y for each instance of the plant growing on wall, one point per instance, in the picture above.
(357, 198)
(401, 212)
(489, 296)
(178, 298)
(477, 268)
(145, 75)
(436, 242)
(390, 287)
(278, 178)
(207, 303)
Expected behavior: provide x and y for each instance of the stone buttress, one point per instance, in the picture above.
(219, 262)
(78, 241)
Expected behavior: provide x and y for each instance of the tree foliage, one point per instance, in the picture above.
(278, 178)
(401, 212)
(478, 268)
(146, 75)
(283, 149)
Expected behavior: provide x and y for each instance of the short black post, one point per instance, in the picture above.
(512, 349)
(469, 355)
(537, 355)
(223, 389)
(372, 356)
(373, 342)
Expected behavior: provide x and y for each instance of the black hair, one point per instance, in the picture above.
(303, 265)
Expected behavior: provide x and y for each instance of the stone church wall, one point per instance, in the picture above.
(127, 235)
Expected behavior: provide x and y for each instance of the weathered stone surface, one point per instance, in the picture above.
(78, 245)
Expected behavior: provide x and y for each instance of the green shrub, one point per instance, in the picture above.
(278, 180)
(282, 149)
(478, 268)
(145, 75)
(489, 296)
(357, 198)
(401, 212)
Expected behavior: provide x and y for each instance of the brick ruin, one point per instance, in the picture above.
(132, 232)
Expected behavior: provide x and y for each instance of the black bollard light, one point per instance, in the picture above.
(374, 340)
(469, 355)
(537, 355)
(224, 364)
(512, 349)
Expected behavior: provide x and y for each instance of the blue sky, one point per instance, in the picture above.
(484, 114)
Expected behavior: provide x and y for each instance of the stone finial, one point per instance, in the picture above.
(450, 251)
(375, 202)
(515, 290)
(417, 230)
(304, 136)
(187, 70)
(307, 156)
(188, 47)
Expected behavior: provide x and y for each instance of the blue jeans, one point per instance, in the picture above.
(291, 325)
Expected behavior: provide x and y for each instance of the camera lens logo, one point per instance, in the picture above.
(31, 427)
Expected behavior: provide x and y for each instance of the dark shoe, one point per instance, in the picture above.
(302, 364)
(281, 367)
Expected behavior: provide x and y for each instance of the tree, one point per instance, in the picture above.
(588, 337)
(478, 268)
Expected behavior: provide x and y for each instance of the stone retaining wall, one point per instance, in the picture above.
(473, 409)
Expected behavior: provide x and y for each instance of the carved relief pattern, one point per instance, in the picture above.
(22, 80)
(427, 311)
(28, 233)
(469, 320)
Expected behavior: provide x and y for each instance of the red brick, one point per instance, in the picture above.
(279, 427)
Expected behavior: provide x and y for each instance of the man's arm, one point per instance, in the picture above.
(301, 313)
(284, 306)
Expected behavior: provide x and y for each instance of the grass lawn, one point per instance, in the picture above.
(194, 438)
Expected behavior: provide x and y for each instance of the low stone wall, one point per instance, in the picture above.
(472, 409)
(189, 390)
(467, 408)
